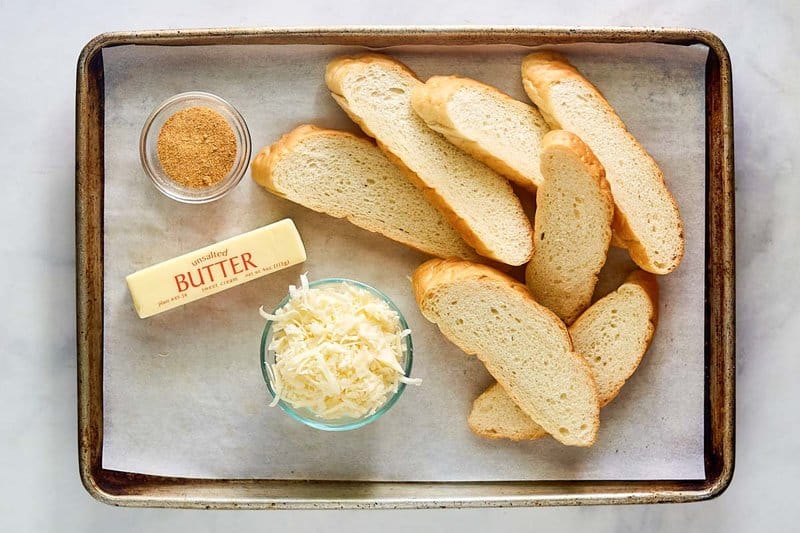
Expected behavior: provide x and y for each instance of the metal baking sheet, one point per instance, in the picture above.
(378, 38)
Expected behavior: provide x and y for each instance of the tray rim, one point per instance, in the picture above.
(140, 490)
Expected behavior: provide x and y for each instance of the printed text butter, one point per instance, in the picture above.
(215, 268)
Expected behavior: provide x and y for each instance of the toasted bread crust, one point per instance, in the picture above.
(430, 103)
(263, 164)
(435, 272)
(569, 141)
(649, 284)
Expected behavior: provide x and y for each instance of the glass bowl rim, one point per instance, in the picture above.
(356, 423)
(231, 180)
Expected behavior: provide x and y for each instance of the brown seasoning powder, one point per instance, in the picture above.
(196, 147)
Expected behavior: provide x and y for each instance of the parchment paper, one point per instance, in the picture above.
(183, 392)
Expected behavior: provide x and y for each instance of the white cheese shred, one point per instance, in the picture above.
(337, 350)
(265, 315)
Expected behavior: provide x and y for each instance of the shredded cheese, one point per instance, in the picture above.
(337, 350)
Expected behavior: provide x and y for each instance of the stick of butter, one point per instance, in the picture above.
(215, 268)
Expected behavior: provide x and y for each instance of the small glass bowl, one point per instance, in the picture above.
(148, 152)
(341, 424)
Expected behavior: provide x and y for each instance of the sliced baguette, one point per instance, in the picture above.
(375, 91)
(345, 176)
(521, 343)
(647, 221)
(612, 336)
(494, 415)
(572, 226)
(486, 123)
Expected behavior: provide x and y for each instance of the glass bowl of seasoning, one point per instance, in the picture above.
(195, 147)
(336, 354)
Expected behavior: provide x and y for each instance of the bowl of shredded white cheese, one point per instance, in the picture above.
(336, 354)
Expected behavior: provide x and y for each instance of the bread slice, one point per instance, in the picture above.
(647, 221)
(522, 344)
(494, 415)
(345, 176)
(572, 226)
(488, 124)
(612, 336)
(375, 91)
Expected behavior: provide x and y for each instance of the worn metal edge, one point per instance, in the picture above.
(500, 33)
(719, 476)
(91, 472)
(88, 455)
(684, 491)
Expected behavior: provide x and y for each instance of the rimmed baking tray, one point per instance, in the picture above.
(131, 489)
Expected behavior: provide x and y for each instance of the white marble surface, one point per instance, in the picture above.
(39, 44)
